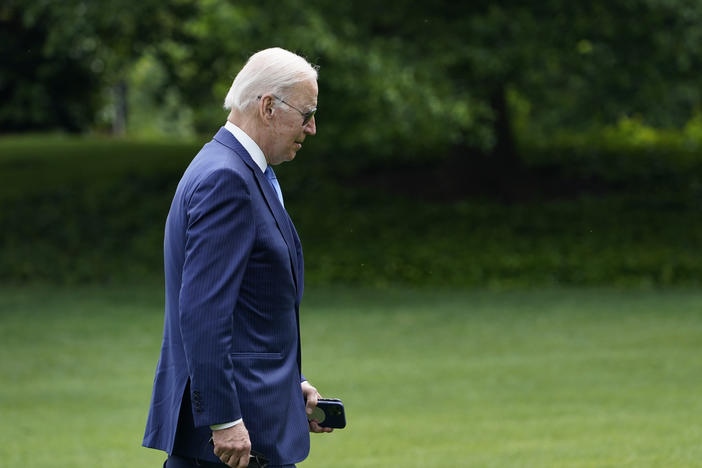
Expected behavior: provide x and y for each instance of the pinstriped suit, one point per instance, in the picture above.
(231, 344)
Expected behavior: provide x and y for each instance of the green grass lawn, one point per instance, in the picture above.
(430, 378)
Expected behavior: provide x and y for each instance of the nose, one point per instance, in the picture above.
(311, 127)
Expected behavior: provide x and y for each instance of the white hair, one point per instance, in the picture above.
(273, 71)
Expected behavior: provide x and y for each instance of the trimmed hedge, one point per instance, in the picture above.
(92, 210)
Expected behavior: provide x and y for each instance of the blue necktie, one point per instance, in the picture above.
(270, 175)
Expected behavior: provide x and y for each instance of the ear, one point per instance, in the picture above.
(266, 107)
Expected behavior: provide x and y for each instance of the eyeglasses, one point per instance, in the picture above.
(306, 116)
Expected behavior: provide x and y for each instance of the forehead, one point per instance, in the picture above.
(305, 93)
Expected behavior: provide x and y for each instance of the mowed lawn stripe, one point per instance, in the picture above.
(555, 377)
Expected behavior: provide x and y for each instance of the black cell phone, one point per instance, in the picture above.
(329, 413)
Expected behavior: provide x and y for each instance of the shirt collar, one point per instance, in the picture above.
(249, 145)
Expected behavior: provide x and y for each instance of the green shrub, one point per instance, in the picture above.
(92, 210)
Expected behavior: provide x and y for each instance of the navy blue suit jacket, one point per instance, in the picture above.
(231, 343)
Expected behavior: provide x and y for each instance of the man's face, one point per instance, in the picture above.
(287, 131)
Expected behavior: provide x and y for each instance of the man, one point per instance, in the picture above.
(229, 382)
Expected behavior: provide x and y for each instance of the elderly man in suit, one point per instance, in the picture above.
(228, 382)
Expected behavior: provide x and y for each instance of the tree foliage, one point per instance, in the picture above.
(43, 85)
(59, 57)
(400, 81)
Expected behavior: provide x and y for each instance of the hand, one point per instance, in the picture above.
(311, 395)
(232, 445)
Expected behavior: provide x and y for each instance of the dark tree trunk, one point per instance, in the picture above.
(504, 152)
(505, 166)
(119, 121)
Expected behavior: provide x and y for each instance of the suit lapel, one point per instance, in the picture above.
(281, 217)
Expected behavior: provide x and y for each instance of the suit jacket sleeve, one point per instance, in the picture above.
(219, 238)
